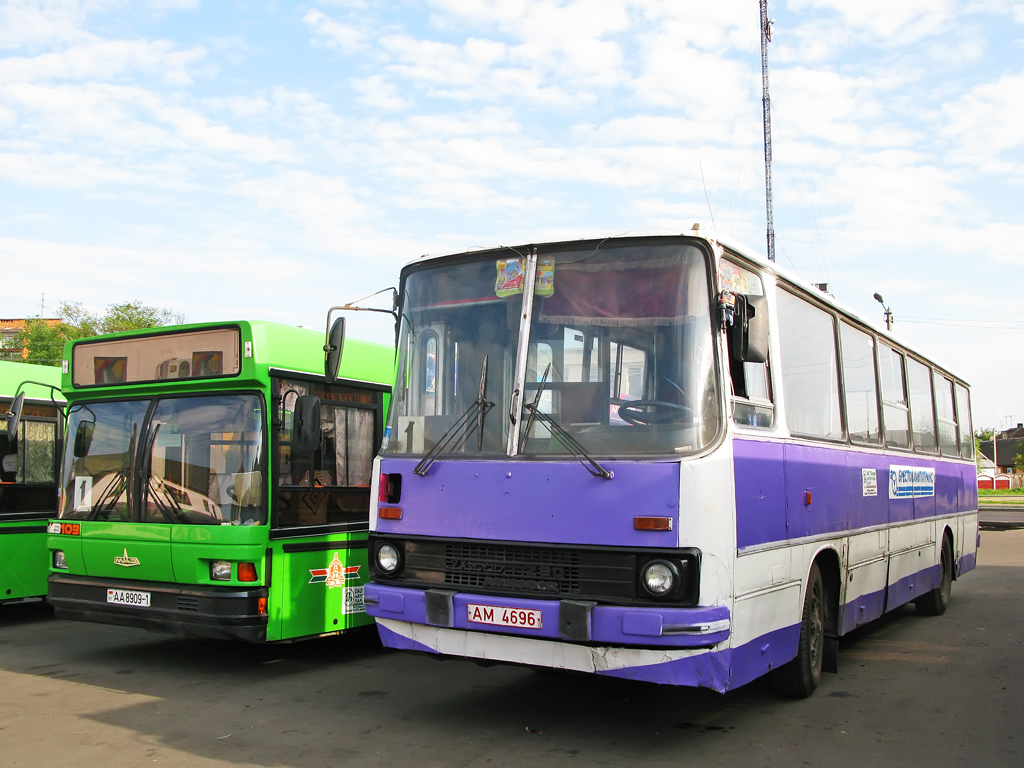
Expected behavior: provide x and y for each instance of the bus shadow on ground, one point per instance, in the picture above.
(309, 703)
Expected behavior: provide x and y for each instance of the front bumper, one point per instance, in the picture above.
(576, 621)
(194, 610)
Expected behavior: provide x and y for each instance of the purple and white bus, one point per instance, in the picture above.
(662, 459)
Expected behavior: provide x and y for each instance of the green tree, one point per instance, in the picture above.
(45, 343)
(1018, 460)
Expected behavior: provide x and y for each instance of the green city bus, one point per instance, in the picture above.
(216, 480)
(30, 450)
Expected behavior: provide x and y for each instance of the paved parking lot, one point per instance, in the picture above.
(911, 690)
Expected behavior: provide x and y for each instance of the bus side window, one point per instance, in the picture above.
(810, 370)
(331, 484)
(860, 390)
(895, 411)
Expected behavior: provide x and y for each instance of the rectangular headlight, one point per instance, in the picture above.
(220, 570)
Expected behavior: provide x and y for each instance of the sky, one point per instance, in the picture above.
(247, 159)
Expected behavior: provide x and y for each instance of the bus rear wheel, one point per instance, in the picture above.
(934, 603)
(798, 678)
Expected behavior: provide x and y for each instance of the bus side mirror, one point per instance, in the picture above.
(332, 349)
(306, 424)
(83, 438)
(748, 336)
(14, 416)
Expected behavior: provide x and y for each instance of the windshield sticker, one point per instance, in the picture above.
(83, 494)
(511, 277)
(545, 276)
(911, 482)
(335, 574)
(126, 561)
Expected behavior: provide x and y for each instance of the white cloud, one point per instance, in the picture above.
(334, 34)
(984, 126)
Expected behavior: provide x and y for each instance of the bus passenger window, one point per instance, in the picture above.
(922, 411)
(946, 415)
(810, 373)
(861, 392)
(895, 414)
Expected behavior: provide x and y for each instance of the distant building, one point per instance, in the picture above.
(10, 349)
(1008, 443)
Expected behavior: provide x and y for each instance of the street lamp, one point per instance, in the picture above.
(888, 313)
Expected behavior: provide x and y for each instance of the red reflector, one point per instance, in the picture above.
(261, 606)
(390, 513)
(807, 498)
(246, 572)
(652, 523)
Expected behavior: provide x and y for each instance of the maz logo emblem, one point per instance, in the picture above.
(127, 562)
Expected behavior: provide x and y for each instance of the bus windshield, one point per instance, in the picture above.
(191, 460)
(618, 356)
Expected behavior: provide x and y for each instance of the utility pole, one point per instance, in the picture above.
(766, 36)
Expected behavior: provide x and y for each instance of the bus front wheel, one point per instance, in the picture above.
(799, 677)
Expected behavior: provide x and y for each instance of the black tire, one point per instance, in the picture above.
(798, 678)
(934, 603)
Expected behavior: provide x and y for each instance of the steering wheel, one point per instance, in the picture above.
(648, 412)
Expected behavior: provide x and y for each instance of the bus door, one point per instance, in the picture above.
(27, 499)
(320, 516)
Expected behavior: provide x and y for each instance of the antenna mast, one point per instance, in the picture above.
(766, 37)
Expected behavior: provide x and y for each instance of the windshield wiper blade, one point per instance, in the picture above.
(464, 426)
(532, 408)
(110, 494)
(169, 506)
(569, 442)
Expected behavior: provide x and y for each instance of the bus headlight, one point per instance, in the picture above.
(388, 559)
(660, 577)
(59, 561)
(220, 570)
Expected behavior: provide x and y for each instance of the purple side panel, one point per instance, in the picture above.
(823, 476)
(967, 563)
(915, 585)
(536, 501)
(773, 481)
(721, 670)
(760, 492)
(969, 489)
(861, 610)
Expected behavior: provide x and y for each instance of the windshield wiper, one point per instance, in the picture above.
(110, 494)
(464, 426)
(570, 443)
(169, 507)
(532, 408)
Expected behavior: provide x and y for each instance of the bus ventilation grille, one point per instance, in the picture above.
(512, 568)
(188, 604)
